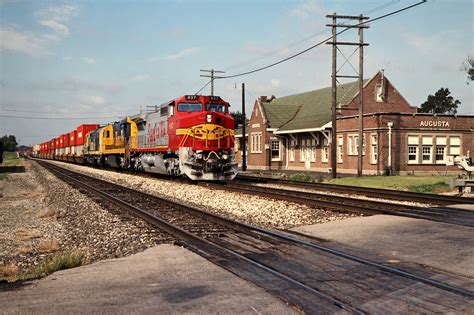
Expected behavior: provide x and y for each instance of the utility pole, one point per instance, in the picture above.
(360, 45)
(212, 76)
(244, 149)
(361, 97)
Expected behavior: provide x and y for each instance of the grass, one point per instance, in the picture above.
(9, 160)
(431, 184)
(56, 263)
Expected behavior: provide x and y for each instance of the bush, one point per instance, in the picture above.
(56, 263)
(387, 170)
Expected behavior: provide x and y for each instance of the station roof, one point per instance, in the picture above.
(308, 110)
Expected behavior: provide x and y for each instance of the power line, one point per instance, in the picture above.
(276, 51)
(56, 112)
(57, 118)
(322, 42)
(203, 87)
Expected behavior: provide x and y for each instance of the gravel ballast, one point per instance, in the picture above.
(41, 217)
(249, 209)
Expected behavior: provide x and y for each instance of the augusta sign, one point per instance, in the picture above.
(434, 123)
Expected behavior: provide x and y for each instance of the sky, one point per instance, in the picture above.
(65, 63)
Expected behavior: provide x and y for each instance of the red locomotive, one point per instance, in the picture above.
(192, 135)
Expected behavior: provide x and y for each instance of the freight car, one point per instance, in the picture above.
(192, 135)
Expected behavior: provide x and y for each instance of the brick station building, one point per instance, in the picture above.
(294, 133)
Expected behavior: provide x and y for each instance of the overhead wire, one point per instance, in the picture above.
(57, 118)
(321, 42)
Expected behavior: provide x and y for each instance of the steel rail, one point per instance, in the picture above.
(183, 234)
(339, 203)
(240, 226)
(372, 192)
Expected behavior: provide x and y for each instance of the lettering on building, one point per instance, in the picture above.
(255, 125)
(434, 124)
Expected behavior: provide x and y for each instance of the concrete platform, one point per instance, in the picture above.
(165, 279)
(443, 246)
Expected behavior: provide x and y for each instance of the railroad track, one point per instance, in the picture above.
(342, 203)
(369, 192)
(309, 276)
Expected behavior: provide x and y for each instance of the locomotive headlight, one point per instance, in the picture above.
(208, 118)
(225, 156)
(199, 156)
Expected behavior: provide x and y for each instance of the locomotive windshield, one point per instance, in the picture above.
(215, 107)
(189, 107)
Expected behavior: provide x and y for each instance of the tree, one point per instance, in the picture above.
(468, 67)
(440, 103)
(239, 118)
(9, 143)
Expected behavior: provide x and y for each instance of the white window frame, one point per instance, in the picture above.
(303, 150)
(340, 149)
(456, 145)
(416, 160)
(292, 150)
(325, 151)
(256, 145)
(430, 154)
(272, 142)
(443, 161)
(313, 150)
(374, 148)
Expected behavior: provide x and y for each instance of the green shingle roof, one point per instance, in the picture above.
(306, 110)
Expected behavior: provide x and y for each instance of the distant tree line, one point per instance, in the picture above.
(9, 143)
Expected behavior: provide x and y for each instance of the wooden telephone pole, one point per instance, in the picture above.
(335, 75)
(212, 76)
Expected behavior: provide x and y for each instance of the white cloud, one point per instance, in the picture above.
(57, 18)
(25, 42)
(88, 60)
(183, 53)
(139, 78)
(92, 99)
(306, 10)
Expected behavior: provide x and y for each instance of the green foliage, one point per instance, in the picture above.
(433, 184)
(468, 67)
(56, 263)
(440, 103)
(239, 118)
(9, 143)
(436, 187)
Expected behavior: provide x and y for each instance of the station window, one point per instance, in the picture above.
(454, 146)
(373, 149)
(313, 150)
(325, 151)
(440, 154)
(426, 154)
(256, 142)
(340, 149)
(303, 150)
(292, 150)
(412, 154)
(353, 145)
(275, 148)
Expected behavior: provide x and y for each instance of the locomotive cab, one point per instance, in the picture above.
(205, 131)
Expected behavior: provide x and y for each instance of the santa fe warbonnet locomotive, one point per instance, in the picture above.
(192, 135)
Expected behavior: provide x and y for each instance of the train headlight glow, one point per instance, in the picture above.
(225, 156)
(199, 156)
(208, 118)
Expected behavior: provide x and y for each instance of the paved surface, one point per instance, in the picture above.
(164, 279)
(444, 246)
